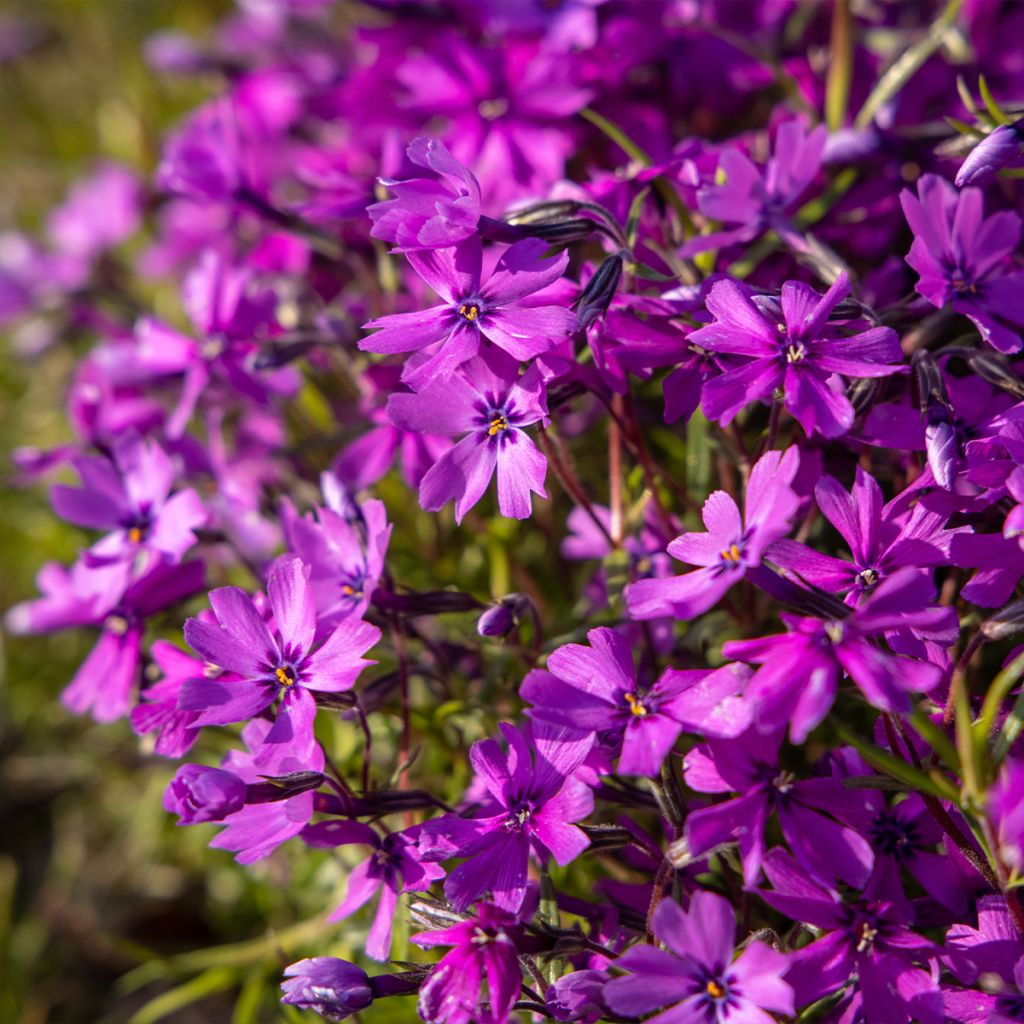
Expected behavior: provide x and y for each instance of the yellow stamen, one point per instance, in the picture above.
(730, 554)
(498, 423)
(285, 676)
(135, 535)
(636, 706)
(715, 990)
(470, 310)
(347, 590)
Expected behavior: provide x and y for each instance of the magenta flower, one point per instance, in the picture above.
(595, 689)
(800, 670)
(333, 988)
(1002, 147)
(472, 314)
(790, 346)
(131, 497)
(429, 213)
(963, 258)
(696, 975)
(270, 663)
(729, 550)
(492, 410)
(533, 802)
(485, 948)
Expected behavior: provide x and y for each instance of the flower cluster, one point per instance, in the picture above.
(744, 744)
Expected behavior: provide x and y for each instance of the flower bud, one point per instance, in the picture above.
(197, 793)
(599, 292)
(331, 987)
(1000, 148)
(502, 618)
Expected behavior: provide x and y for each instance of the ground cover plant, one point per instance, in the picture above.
(566, 524)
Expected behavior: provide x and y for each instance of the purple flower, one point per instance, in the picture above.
(961, 256)
(485, 948)
(131, 496)
(197, 794)
(696, 974)
(578, 996)
(492, 410)
(99, 212)
(789, 345)
(533, 801)
(749, 765)
(333, 988)
(752, 200)
(729, 550)
(862, 942)
(270, 664)
(800, 670)
(595, 689)
(1004, 808)
(393, 867)
(429, 213)
(1002, 147)
(472, 312)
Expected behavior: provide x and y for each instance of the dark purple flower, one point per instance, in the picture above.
(790, 346)
(749, 766)
(578, 996)
(962, 255)
(429, 213)
(473, 313)
(731, 547)
(197, 794)
(394, 867)
(595, 689)
(533, 802)
(333, 988)
(270, 664)
(491, 409)
(800, 670)
(696, 974)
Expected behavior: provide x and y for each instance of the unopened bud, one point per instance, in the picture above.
(599, 292)
(1003, 147)
(1005, 623)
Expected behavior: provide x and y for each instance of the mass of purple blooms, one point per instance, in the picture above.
(702, 323)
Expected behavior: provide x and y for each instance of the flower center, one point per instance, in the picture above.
(135, 535)
(285, 675)
(795, 352)
(636, 706)
(867, 934)
(716, 989)
(731, 554)
(868, 577)
(469, 311)
(498, 423)
(517, 819)
(835, 631)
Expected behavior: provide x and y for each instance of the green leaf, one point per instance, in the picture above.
(217, 979)
(965, 129)
(617, 135)
(936, 739)
(995, 111)
(635, 209)
(840, 67)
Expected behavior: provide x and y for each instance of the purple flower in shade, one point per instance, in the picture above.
(789, 346)
(749, 765)
(429, 213)
(962, 258)
(1002, 147)
(472, 313)
(197, 794)
(578, 996)
(865, 943)
(752, 200)
(730, 550)
(333, 988)
(485, 948)
(284, 748)
(105, 597)
(393, 867)
(345, 559)
(534, 800)
(270, 663)
(1000, 563)
(882, 539)
(492, 411)
(993, 954)
(595, 689)
(158, 711)
(800, 670)
(696, 974)
(131, 497)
